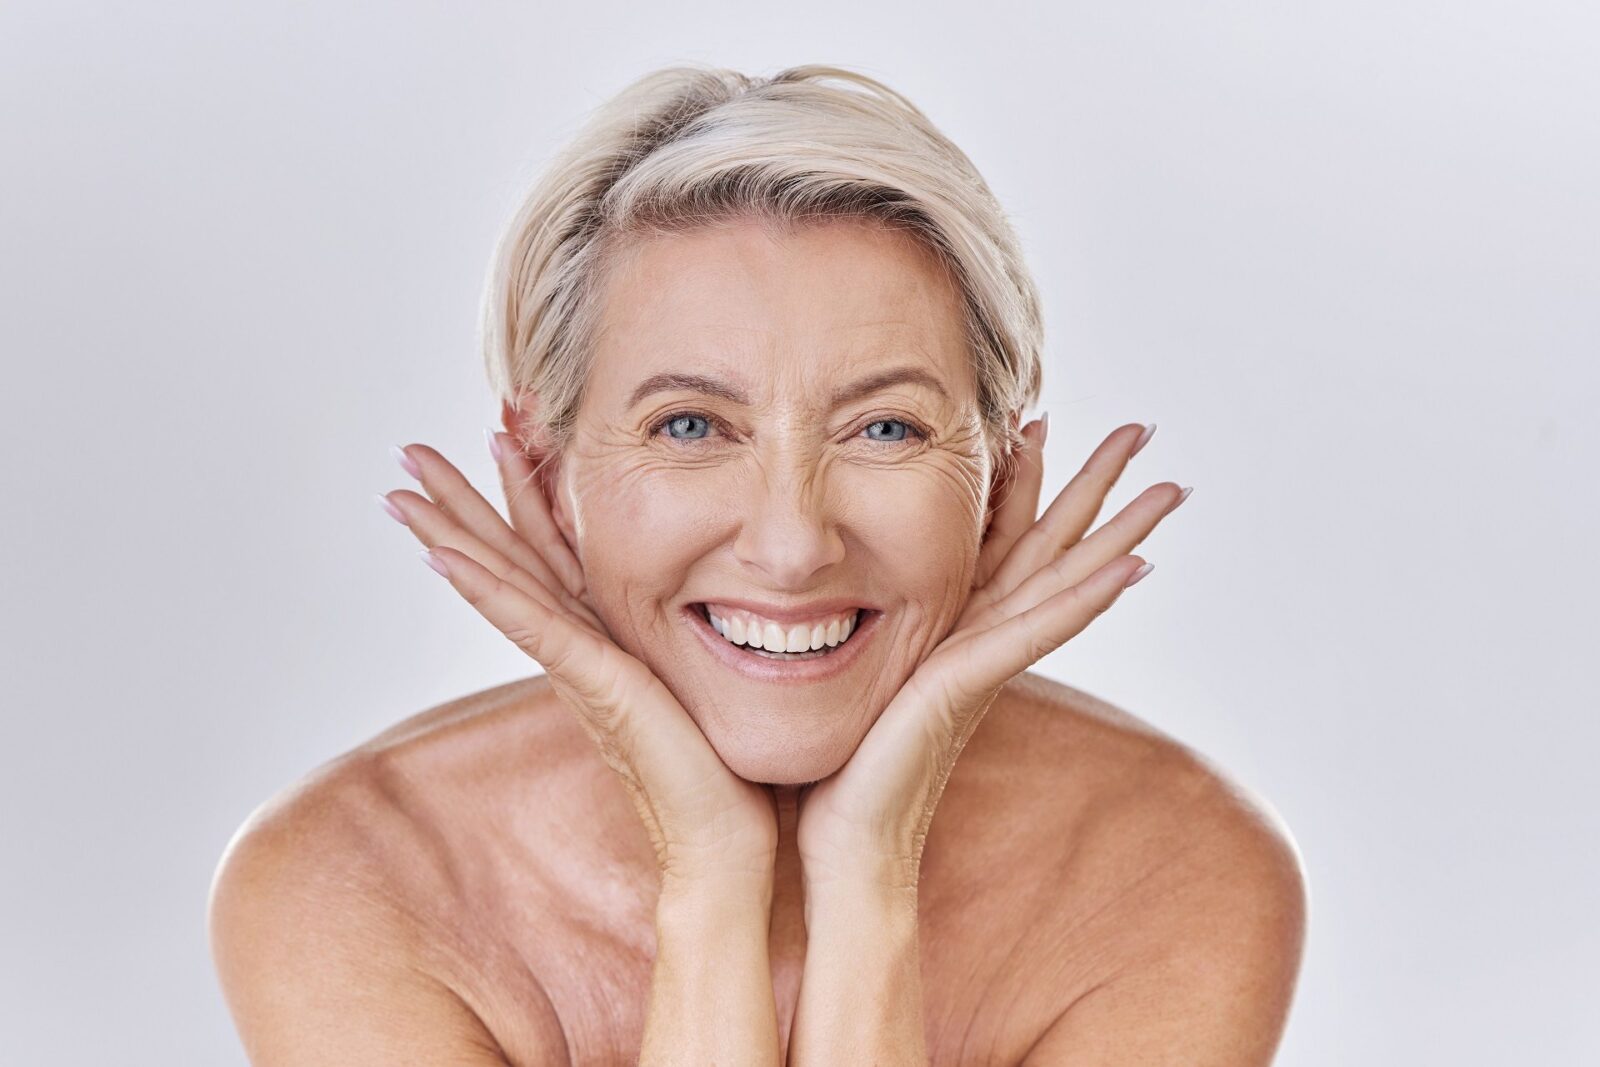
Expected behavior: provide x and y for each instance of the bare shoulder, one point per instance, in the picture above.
(1096, 763)
(1133, 795)
(334, 918)
(1184, 886)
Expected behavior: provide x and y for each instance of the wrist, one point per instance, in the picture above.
(711, 995)
(704, 898)
(855, 901)
(861, 993)
(729, 869)
(882, 877)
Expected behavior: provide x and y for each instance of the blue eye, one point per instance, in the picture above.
(687, 424)
(904, 429)
(692, 426)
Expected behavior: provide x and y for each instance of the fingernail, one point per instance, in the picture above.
(394, 512)
(1138, 574)
(494, 443)
(1044, 428)
(1184, 495)
(1143, 440)
(406, 463)
(435, 562)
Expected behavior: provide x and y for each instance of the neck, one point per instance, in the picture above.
(788, 928)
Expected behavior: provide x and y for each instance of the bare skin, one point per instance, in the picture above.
(1073, 843)
(746, 868)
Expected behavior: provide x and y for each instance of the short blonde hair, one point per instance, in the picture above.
(688, 145)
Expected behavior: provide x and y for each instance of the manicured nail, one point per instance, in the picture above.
(1044, 428)
(435, 562)
(494, 443)
(407, 464)
(1138, 574)
(1143, 440)
(1184, 495)
(388, 505)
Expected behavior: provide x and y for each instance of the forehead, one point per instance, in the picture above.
(759, 304)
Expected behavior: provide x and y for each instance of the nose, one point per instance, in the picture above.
(787, 533)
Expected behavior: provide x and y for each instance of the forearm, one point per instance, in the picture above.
(861, 990)
(711, 998)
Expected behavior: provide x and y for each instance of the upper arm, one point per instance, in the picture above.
(1208, 977)
(317, 967)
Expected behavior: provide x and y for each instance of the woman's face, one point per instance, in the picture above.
(778, 430)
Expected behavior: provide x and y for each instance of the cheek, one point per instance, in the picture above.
(641, 526)
(942, 496)
(923, 522)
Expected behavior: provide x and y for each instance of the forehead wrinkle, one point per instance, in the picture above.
(716, 359)
(690, 358)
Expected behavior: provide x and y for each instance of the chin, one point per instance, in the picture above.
(785, 757)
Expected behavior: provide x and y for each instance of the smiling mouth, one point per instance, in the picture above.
(751, 645)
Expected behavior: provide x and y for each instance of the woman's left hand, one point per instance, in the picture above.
(1038, 584)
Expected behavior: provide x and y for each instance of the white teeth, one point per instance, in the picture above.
(773, 639)
(770, 636)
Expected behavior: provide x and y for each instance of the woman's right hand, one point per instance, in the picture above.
(706, 823)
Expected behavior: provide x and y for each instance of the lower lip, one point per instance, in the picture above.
(795, 671)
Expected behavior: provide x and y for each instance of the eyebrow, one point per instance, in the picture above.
(700, 383)
(694, 383)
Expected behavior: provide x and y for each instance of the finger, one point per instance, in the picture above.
(642, 732)
(990, 658)
(1120, 535)
(434, 529)
(530, 511)
(1070, 513)
(571, 655)
(1019, 507)
(457, 498)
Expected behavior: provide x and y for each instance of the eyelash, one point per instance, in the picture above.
(664, 421)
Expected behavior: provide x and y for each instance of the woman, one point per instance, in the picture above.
(764, 346)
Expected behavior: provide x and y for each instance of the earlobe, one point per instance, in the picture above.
(1006, 466)
(999, 486)
(548, 475)
(521, 422)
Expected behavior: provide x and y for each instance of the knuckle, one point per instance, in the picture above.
(529, 640)
(1088, 601)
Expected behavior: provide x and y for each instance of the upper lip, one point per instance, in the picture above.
(792, 613)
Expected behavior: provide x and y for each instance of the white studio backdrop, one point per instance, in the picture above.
(1344, 254)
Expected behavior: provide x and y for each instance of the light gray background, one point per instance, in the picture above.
(1345, 254)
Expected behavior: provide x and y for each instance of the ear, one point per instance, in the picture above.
(1001, 478)
(522, 423)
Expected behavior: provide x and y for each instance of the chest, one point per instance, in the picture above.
(1016, 916)
(990, 964)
